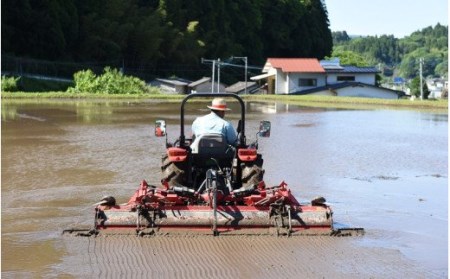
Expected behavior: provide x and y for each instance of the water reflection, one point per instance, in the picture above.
(434, 117)
(86, 111)
(8, 112)
(279, 107)
(370, 165)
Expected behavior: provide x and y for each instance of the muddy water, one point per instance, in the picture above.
(384, 170)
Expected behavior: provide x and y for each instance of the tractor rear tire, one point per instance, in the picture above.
(173, 173)
(252, 173)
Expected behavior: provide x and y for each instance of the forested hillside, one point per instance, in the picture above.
(400, 57)
(166, 37)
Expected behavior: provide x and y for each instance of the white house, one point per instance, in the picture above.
(436, 86)
(353, 89)
(286, 75)
(301, 76)
(336, 73)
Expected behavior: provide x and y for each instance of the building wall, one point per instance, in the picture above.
(271, 85)
(295, 77)
(435, 94)
(206, 88)
(280, 83)
(359, 77)
(172, 89)
(436, 88)
(360, 91)
(289, 82)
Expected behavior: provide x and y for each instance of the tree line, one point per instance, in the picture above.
(165, 37)
(399, 57)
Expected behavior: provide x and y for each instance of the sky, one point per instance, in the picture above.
(385, 17)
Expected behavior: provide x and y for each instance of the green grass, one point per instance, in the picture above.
(302, 100)
(351, 102)
(66, 95)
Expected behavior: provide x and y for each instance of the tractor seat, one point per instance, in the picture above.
(209, 146)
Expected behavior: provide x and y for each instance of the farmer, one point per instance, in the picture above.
(214, 122)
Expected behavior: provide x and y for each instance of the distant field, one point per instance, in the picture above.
(66, 95)
(304, 100)
(332, 101)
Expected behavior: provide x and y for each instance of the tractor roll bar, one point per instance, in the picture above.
(213, 95)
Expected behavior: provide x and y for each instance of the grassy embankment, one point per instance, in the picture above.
(303, 100)
(353, 102)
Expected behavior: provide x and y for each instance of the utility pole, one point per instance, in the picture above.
(421, 82)
(245, 76)
(212, 77)
(219, 63)
(213, 71)
(218, 75)
(246, 63)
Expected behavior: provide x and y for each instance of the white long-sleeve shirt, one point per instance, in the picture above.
(212, 123)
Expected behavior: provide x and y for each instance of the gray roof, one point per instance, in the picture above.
(173, 81)
(198, 82)
(239, 86)
(350, 69)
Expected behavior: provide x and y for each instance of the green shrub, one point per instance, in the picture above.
(9, 83)
(111, 81)
(85, 81)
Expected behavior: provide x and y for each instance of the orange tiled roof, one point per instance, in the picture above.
(298, 65)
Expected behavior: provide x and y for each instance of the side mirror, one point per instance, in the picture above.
(160, 128)
(264, 129)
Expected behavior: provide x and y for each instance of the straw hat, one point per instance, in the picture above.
(218, 104)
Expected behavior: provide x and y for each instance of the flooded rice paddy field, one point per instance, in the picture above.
(384, 170)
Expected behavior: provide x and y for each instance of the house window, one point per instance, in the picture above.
(346, 78)
(307, 82)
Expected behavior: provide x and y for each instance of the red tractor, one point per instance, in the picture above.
(238, 169)
(211, 187)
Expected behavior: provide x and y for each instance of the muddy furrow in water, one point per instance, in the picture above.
(232, 257)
